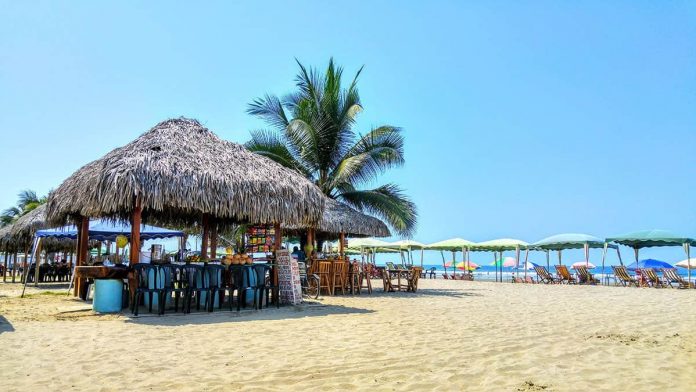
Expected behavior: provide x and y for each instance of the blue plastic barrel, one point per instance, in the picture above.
(108, 295)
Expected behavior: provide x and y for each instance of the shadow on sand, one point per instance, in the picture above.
(226, 316)
(427, 293)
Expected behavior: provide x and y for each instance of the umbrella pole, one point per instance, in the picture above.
(421, 257)
(548, 262)
(526, 257)
(517, 255)
(604, 256)
(444, 264)
(618, 253)
(688, 263)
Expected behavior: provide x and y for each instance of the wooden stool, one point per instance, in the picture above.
(354, 277)
(366, 275)
(325, 278)
(339, 276)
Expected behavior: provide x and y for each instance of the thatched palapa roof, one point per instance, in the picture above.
(20, 234)
(341, 218)
(181, 170)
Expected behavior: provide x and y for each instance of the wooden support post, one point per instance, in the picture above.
(136, 221)
(342, 244)
(82, 243)
(274, 270)
(4, 274)
(213, 239)
(204, 237)
(14, 266)
(37, 263)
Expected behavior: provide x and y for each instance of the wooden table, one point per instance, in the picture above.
(99, 272)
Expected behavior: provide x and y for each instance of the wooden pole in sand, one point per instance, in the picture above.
(37, 263)
(136, 221)
(341, 244)
(82, 243)
(214, 239)
(204, 237)
(604, 257)
(4, 274)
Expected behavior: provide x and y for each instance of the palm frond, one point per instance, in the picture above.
(271, 145)
(388, 202)
(270, 109)
(381, 149)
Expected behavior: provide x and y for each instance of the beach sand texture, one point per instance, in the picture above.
(451, 335)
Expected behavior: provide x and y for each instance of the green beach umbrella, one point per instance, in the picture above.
(499, 246)
(452, 245)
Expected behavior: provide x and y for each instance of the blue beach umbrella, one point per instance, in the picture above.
(650, 263)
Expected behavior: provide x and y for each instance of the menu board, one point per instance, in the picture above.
(289, 284)
(260, 239)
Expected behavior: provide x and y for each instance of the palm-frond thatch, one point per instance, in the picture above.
(20, 234)
(181, 170)
(340, 218)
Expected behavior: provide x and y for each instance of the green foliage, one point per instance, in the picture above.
(311, 131)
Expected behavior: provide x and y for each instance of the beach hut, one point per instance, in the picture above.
(561, 242)
(180, 173)
(499, 246)
(651, 238)
(339, 219)
(453, 245)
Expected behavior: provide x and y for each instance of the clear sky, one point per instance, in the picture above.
(522, 119)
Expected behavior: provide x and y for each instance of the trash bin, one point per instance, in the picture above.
(108, 295)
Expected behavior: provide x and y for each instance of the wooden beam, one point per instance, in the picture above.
(4, 274)
(136, 221)
(278, 243)
(83, 242)
(204, 237)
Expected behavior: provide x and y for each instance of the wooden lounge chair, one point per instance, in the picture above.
(671, 276)
(543, 275)
(564, 275)
(584, 276)
(386, 281)
(651, 277)
(623, 277)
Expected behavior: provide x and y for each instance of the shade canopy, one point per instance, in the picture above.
(341, 218)
(102, 230)
(499, 245)
(179, 171)
(361, 243)
(452, 244)
(406, 245)
(20, 233)
(649, 238)
(650, 263)
(570, 241)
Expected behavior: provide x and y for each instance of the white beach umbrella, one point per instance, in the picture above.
(687, 263)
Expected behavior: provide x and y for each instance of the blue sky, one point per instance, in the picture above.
(522, 119)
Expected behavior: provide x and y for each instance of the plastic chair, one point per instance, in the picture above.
(264, 285)
(215, 283)
(241, 282)
(194, 283)
(173, 281)
(143, 272)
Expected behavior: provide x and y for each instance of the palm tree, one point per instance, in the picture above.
(27, 201)
(312, 132)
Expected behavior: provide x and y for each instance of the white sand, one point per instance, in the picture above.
(449, 336)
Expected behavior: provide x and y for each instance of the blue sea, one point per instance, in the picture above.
(488, 273)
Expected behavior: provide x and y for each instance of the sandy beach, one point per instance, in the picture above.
(448, 336)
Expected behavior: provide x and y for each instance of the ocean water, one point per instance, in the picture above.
(488, 273)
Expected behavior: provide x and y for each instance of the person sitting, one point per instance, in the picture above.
(298, 254)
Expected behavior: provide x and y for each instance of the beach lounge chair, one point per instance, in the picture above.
(651, 277)
(564, 275)
(623, 277)
(429, 273)
(584, 276)
(543, 275)
(671, 276)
